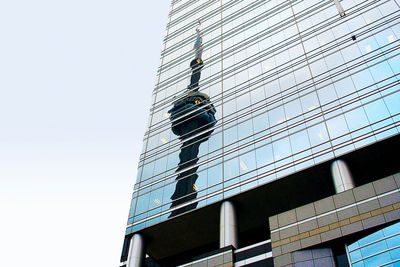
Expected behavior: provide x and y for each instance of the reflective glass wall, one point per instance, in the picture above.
(293, 83)
(381, 248)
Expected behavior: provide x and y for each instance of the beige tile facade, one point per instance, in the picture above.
(224, 259)
(343, 214)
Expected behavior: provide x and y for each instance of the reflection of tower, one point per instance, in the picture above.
(197, 63)
(192, 120)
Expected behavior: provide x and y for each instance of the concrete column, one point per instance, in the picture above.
(341, 175)
(137, 251)
(228, 226)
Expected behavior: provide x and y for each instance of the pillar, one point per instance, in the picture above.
(341, 175)
(228, 226)
(137, 251)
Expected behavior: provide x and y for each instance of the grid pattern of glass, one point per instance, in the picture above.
(294, 83)
(381, 248)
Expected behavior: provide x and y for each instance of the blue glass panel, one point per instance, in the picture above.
(231, 168)
(168, 191)
(260, 122)
(153, 221)
(395, 253)
(281, 148)
(371, 238)
(142, 204)
(337, 126)
(133, 206)
(356, 119)
(247, 162)
(277, 116)
(376, 111)
(392, 229)
(214, 175)
(299, 141)
(355, 255)
(359, 264)
(215, 141)
(243, 101)
(264, 155)
(160, 165)
(317, 134)
(393, 102)
(173, 160)
(230, 135)
(148, 170)
(214, 198)
(327, 94)
(393, 241)
(362, 79)
(381, 71)
(245, 129)
(293, 109)
(373, 248)
(309, 102)
(395, 64)
(377, 260)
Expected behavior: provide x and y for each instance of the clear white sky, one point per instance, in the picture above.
(76, 78)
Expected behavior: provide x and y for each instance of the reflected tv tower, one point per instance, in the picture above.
(192, 117)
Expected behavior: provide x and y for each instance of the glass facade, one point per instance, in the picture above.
(381, 248)
(292, 84)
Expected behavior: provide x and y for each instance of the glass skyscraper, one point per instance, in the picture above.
(290, 101)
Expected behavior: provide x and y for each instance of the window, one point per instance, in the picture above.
(381, 248)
